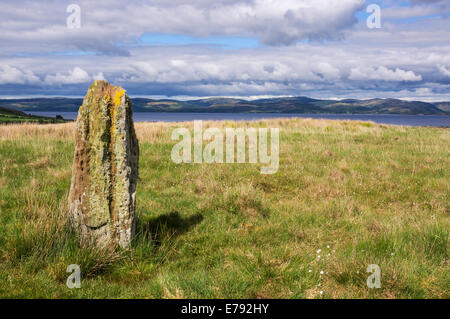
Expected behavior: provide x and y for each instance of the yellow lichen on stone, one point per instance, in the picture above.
(118, 96)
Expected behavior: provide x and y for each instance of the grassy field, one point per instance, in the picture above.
(352, 193)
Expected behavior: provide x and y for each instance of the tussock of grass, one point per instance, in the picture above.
(353, 193)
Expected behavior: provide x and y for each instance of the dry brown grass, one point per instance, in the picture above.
(148, 132)
(27, 131)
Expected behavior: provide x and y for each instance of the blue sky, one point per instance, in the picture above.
(220, 42)
(242, 48)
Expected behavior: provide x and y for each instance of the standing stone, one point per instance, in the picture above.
(102, 199)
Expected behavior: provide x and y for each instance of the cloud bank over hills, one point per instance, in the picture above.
(319, 48)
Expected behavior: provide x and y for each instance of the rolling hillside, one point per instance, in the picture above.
(230, 105)
(13, 116)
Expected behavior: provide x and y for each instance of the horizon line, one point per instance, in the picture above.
(192, 98)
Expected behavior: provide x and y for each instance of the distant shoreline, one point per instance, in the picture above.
(391, 119)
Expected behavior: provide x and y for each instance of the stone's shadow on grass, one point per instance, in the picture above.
(166, 226)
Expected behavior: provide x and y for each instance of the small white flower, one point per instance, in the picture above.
(319, 250)
(321, 272)
(328, 246)
(321, 292)
(310, 270)
(318, 256)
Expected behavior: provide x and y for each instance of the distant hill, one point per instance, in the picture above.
(444, 106)
(13, 116)
(43, 104)
(230, 105)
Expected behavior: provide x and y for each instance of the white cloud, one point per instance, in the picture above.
(76, 76)
(444, 70)
(409, 12)
(400, 57)
(104, 23)
(382, 73)
(13, 75)
(99, 76)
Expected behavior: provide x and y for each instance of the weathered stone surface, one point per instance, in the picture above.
(102, 200)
